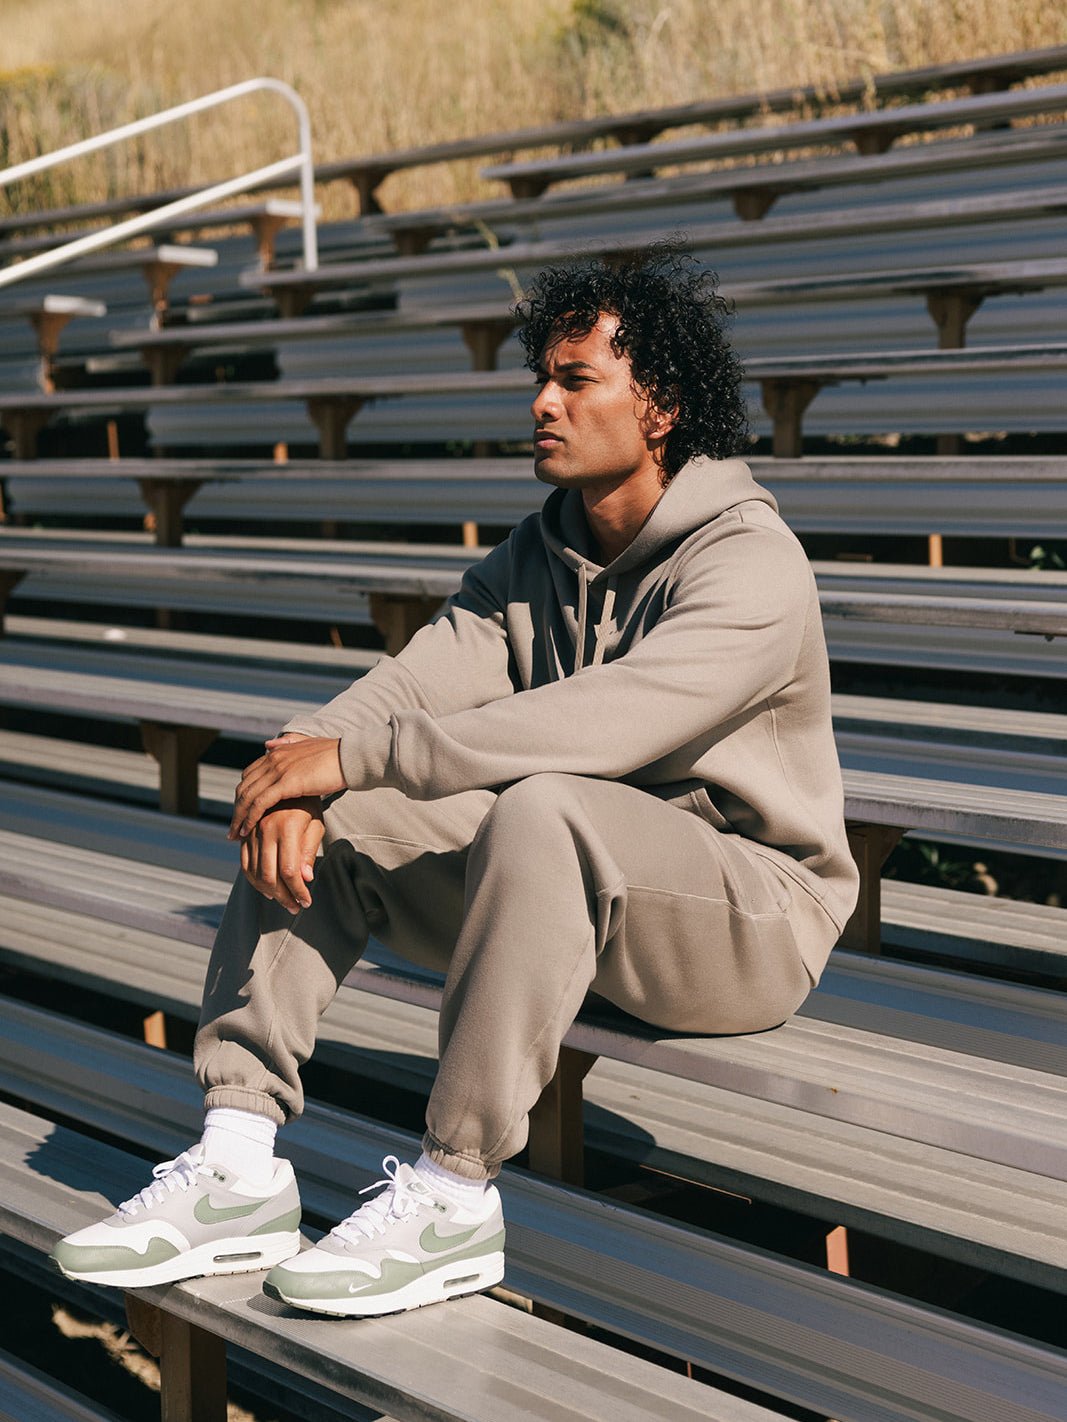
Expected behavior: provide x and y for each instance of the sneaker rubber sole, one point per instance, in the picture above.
(468, 1276)
(240, 1255)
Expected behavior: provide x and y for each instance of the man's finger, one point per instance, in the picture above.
(290, 864)
(312, 839)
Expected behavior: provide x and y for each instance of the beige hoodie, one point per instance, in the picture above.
(693, 666)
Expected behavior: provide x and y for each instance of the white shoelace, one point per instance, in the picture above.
(399, 1199)
(170, 1175)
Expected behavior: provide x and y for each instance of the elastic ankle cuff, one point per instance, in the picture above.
(469, 1166)
(241, 1098)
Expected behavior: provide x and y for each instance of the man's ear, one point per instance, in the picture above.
(659, 423)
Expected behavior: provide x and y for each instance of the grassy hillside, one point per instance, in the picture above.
(386, 73)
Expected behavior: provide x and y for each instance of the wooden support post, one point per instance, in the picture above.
(837, 1250)
(331, 416)
(951, 310)
(192, 1367)
(366, 182)
(49, 325)
(470, 534)
(166, 498)
(159, 275)
(557, 1138)
(192, 1363)
(163, 362)
(265, 228)
(292, 301)
(880, 141)
(630, 134)
(871, 846)
(484, 338)
(24, 426)
(785, 401)
(412, 241)
(527, 187)
(9, 580)
(751, 204)
(398, 618)
(155, 1030)
(178, 750)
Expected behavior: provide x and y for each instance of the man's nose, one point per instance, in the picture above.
(546, 402)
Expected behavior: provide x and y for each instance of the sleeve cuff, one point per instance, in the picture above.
(367, 760)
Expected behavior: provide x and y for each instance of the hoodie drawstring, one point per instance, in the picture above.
(604, 625)
(583, 611)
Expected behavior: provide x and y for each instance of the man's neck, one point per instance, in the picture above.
(615, 513)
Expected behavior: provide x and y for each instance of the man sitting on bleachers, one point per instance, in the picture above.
(607, 765)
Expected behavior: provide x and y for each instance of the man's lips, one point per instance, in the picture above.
(545, 440)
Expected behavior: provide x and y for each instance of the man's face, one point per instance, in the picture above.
(591, 426)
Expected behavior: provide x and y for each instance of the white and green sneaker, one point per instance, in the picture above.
(194, 1218)
(407, 1247)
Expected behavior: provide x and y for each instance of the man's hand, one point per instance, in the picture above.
(278, 857)
(292, 769)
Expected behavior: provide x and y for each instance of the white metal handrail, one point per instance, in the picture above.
(300, 161)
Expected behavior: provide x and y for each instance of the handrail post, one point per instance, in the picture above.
(301, 161)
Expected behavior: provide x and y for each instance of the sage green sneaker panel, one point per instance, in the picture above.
(396, 1274)
(96, 1259)
(195, 1217)
(411, 1245)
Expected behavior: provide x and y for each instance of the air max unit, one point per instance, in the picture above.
(407, 1247)
(195, 1218)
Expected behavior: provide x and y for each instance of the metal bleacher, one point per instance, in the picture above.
(914, 1104)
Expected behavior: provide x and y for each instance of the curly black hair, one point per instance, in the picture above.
(672, 329)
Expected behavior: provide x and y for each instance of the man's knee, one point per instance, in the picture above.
(537, 804)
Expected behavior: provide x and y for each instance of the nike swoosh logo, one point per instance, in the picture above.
(435, 1243)
(207, 1213)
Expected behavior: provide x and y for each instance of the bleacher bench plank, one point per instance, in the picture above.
(1005, 1113)
(990, 496)
(598, 1260)
(462, 1364)
(753, 189)
(921, 1195)
(870, 132)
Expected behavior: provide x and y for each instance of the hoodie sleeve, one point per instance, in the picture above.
(460, 660)
(728, 639)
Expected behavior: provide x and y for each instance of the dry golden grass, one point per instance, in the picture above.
(380, 74)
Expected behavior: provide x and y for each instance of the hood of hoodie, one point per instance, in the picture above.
(702, 491)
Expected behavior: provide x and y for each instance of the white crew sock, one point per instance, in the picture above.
(242, 1141)
(460, 1190)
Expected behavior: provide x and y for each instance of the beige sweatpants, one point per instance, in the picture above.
(526, 899)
